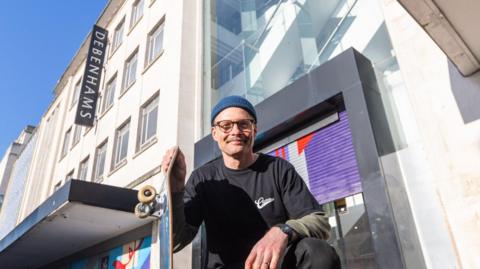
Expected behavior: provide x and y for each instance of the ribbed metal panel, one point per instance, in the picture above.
(326, 161)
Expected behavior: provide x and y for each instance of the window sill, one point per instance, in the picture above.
(146, 146)
(126, 89)
(105, 111)
(98, 180)
(152, 62)
(72, 105)
(117, 167)
(74, 144)
(134, 25)
(113, 52)
(88, 128)
(62, 157)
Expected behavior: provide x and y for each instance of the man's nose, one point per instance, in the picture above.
(236, 129)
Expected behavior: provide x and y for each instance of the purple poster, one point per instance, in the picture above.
(326, 161)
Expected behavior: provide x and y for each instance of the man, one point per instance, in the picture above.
(258, 212)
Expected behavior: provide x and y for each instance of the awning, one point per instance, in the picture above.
(78, 215)
(453, 25)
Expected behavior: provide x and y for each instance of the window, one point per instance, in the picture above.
(76, 135)
(155, 43)
(69, 176)
(148, 121)
(66, 141)
(121, 144)
(130, 71)
(83, 169)
(76, 92)
(109, 94)
(118, 35)
(99, 166)
(137, 12)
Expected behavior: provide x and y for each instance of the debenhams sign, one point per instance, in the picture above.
(91, 79)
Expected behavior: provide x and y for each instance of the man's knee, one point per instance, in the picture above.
(316, 253)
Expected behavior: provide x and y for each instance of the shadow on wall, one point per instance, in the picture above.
(467, 93)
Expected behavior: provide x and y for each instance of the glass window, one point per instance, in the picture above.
(99, 166)
(83, 169)
(66, 142)
(130, 71)
(118, 35)
(109, 94)
(76, 134)
(137, 12)
(155, 43)
(256, 48)
(148, 121)
(76, 92)
(121, 144)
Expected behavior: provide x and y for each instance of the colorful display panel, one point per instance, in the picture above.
(134, 255)
(326, 161)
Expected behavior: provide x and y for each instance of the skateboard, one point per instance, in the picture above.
(159, 205)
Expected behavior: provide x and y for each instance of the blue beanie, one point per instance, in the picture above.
(233, 101)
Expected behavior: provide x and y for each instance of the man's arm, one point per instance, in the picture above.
(183, 233)
(312, 225)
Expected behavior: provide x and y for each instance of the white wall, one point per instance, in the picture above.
(441, 162)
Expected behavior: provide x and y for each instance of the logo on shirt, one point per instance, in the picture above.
(262, 202)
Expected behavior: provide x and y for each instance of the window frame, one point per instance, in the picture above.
(127, 81)
(76, 92)
(77, 135)
(69, 176)
(95, 176)
(144, 119)
(66, 142)
(106, 93)
(135, 16)
(120, 133)
(150, 57)
(118, 33)
(83, 166)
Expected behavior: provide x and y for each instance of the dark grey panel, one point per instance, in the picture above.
(94, 194)
(377, 201)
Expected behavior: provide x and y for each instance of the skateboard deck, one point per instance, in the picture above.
(156, 201)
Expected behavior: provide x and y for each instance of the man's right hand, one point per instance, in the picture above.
(179, 169)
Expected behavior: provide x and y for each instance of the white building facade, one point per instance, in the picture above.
(146, 105)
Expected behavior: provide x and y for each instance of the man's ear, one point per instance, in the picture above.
(214, 133)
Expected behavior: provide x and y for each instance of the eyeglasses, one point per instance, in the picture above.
(227, 125)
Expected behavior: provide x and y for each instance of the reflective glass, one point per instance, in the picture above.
(254, 48)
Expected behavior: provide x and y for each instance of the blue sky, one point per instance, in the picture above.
(38, 39)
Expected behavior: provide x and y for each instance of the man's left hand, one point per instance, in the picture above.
(268, 251)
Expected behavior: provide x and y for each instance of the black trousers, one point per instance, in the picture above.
(308, 253)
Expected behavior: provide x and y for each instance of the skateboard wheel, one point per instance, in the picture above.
(147, 194)
(142, 210)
